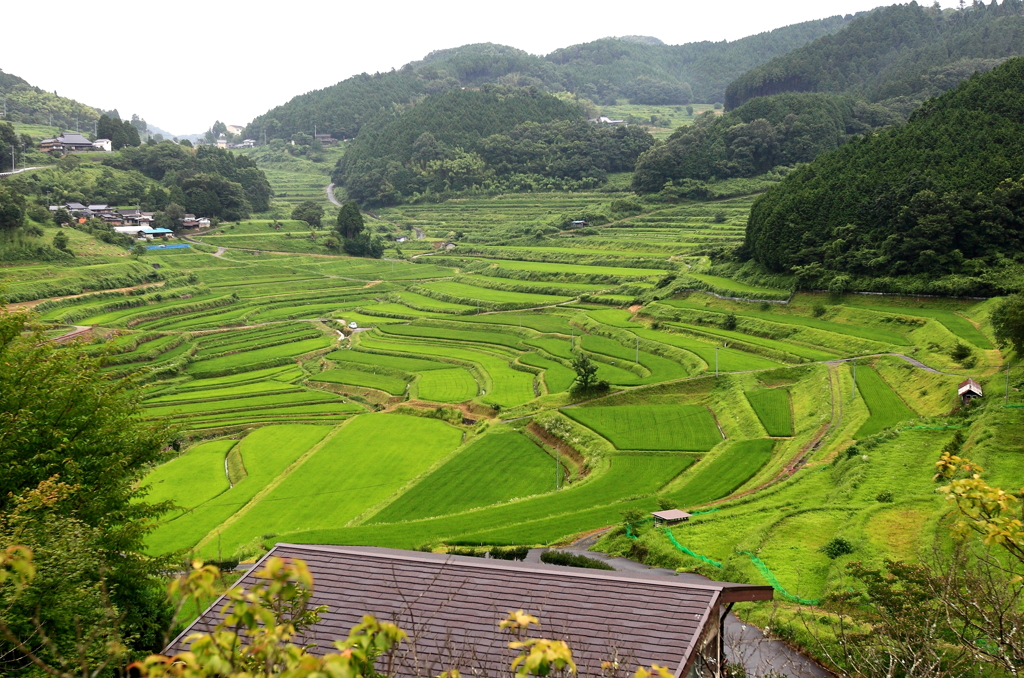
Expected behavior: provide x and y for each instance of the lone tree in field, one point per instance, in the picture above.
(350, 220)
(310, 212)
(586, 382)
(354, 238)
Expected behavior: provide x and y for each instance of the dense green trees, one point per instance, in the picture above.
(31, 105)
(350, 220)
(901, 51)
(762, 134)
(12, 210)
(122, 133)
(177, 167)
(1008, 322)
(354, 239)
(602, 71)
(72, 447)
(941, 195)
(511, 138)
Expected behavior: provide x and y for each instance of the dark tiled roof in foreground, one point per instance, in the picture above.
(450, 606)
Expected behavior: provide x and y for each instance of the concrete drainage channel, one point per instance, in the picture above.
(745, 645)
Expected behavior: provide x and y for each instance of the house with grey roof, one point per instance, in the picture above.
(451, 607)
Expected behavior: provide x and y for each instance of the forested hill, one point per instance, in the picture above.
(942, 195)
(602, 71)
(498, 136)
(898, 51)
(758, 136)
(32, 105)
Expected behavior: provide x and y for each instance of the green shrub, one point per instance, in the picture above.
(573, 560)
(884, 497)
(836, 547)
(509, 552)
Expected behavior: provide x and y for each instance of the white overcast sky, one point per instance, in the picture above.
(183, 64)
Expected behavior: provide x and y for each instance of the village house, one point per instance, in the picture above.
(451, 607)
(69, 142)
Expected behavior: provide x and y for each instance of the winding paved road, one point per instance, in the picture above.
(330, 195)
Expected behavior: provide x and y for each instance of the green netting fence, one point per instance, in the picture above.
(761, 566)
(672, 538)
(629, 527)
(775, 583)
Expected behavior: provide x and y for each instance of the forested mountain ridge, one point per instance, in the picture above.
(603, 70)
(942, 195)
(32, 105)
(513, 138)
(898, 51)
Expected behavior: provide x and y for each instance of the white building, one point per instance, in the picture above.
(102, 145)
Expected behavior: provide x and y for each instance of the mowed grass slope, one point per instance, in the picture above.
(370, 458)
(886, 408)
(494, 469)
(651, 427)
(266, 452)
(772, 407)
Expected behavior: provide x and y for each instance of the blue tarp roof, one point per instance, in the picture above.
(157, 230)
(168, 247)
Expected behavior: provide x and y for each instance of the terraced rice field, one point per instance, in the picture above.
(530, 521)
(719, 477)
(346, 476)
(957, 324)
(495, 469)
(886, 408)
(453, 385)
(651, 427)
(246, 353)
(772, 406)
(380, 382)
(487, 296)
(266, 453)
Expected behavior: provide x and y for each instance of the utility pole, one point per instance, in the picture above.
(1006, 391)
(853, 392)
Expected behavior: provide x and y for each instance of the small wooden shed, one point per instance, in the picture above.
(670, 517)
(968, 391)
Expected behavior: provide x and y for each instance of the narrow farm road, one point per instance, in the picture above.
(18, 171)
(330, 195)
(76, 332)
(419, 232)
(220, 252)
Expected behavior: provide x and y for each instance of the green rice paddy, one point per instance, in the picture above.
(651, 427)
(886, 408)
(773, 409)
